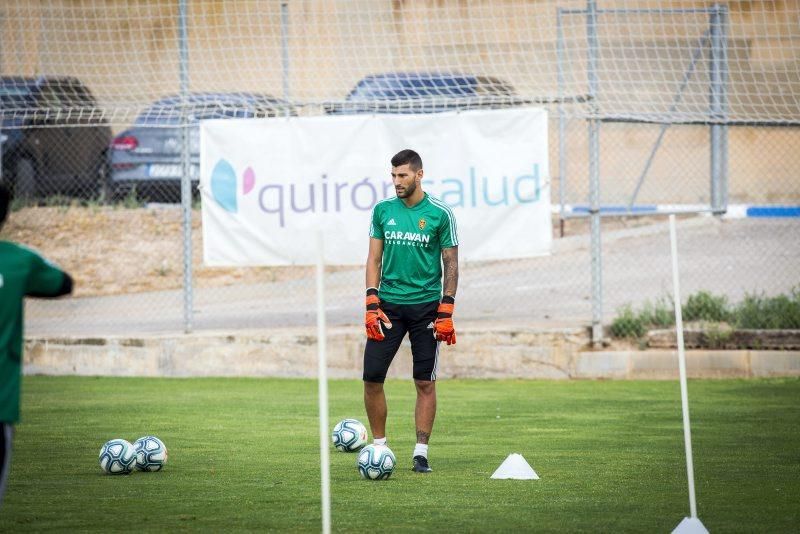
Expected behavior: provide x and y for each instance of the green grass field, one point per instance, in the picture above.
(244, 456)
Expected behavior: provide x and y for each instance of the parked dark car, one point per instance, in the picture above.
(55, 139)
(426, 92)
(146, 159)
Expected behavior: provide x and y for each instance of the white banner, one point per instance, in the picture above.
(267, 185)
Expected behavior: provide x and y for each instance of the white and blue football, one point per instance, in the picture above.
(117, 457)
(349, 435)
(376, 462)
(151, 453)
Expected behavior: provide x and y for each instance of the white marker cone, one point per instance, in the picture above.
(690, 525)
(515, 467)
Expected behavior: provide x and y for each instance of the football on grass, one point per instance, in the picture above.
(151, 453)
(117, 457)
(376, 462)
(349, 435)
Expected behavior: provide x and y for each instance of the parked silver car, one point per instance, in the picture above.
(146, 159)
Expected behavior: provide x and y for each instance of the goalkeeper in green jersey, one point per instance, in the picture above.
(23, 273)
(413, 245)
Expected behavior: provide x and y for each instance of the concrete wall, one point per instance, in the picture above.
(484, 353)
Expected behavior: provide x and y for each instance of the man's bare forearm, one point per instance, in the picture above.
(450, 263)
(373, 274)
(374, 263)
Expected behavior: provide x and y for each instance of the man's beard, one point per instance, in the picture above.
(407, 192)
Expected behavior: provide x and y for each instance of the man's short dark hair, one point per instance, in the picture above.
(5, 200)
(409, 157)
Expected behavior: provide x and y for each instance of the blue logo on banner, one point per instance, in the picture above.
(223, 185)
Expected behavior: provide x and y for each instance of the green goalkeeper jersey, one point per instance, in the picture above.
(22, 272)
(413, 239)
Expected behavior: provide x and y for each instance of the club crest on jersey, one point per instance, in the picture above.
(422, 224)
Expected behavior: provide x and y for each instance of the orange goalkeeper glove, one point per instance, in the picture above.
(375, 318)
(445, 331)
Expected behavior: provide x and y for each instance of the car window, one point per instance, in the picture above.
(159, 113)
(450, 86)
(404, 87)
(232, 110)
(14, 96)
(492, 86)
(51, 97)
(272, 109)
(169, 112)
(368, 89)
(79, 95)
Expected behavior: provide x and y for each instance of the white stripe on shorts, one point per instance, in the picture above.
(435, 359)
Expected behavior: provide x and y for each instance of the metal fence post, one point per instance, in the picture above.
(594, 174)
(562, 126)
(285, 48)
(718, 107)
(186, 167)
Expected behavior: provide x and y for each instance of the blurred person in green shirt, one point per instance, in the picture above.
(23, 273)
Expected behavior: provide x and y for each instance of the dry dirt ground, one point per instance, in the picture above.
(112, 250)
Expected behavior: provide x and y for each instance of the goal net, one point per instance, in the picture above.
(686, 61)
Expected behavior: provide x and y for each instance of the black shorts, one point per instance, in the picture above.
(416, 320)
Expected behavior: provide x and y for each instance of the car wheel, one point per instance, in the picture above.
(24, 179)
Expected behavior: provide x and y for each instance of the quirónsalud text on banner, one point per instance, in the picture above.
(265, 183)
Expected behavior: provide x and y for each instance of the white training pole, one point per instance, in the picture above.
(324, 440)
(687, 433)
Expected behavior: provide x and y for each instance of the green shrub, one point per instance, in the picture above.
(131, 200)
(20, 203)
(660, 314)
(59, 201)
(761, 312)
(628, 324)
(703, 306)
(756, 312)
(716, 337)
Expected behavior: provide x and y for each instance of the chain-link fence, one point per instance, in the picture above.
(125, 290)
(648, 170)
(97, 95)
